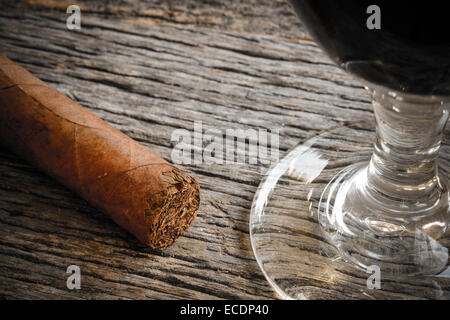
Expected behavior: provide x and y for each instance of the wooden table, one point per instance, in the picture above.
(149, 68)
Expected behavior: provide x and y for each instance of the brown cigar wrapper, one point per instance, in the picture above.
(143, 193)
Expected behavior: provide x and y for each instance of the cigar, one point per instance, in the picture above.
(146, 195)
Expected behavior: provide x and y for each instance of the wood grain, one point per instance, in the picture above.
(149, 68)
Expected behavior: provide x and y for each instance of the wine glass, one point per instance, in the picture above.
(341, 207)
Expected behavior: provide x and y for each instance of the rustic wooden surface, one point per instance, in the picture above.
(148, 68)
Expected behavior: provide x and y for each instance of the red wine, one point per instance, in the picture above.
(410, 52)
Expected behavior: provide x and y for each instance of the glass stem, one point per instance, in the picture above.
(404, 164)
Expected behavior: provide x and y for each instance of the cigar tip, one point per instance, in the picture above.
(176, 206)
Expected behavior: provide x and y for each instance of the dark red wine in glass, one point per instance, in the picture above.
(410, 52)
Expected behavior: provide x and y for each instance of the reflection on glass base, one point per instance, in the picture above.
(317, 235)
(397, 238)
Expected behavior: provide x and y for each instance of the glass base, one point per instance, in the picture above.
(316, 233)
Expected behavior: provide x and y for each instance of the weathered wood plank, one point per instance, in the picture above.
(252, 16)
